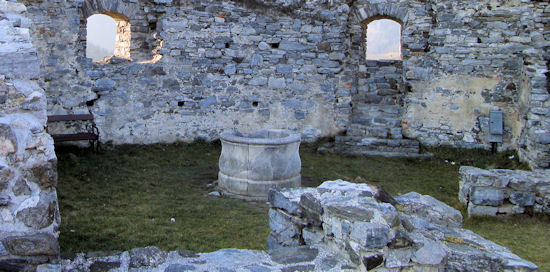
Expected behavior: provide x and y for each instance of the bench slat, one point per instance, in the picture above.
(74, 137)
(70, 117)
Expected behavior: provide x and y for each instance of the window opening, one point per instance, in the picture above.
(107, 36)
(383, 40)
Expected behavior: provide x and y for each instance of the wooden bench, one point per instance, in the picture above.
(91, 134)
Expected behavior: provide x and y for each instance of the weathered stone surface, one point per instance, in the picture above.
(179, 268)
(21, 187)
(148, 256)
(44, 175)
(283, 224)
(487, 196)
(311, 209)
(522, 199)
(431, 253)
(32, 245)
(370, 234)
(6, 174)
(43, 214)
(287, 199)
(102, 266)
(430, 209)
(294, 254)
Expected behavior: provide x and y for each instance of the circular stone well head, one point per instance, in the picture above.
(251, 164)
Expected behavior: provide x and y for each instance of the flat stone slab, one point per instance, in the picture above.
(304, 258)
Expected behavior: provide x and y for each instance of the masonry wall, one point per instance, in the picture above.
(29, 214)
(200, 67)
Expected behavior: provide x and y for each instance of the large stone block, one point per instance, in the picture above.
(44, 174)
(430, 209)
(522, 198)
(287, 199)
(312, 210)
(370, 234)
(148, 256)
(487, 196)
(32, 245)
(284, 225)
(43, 214)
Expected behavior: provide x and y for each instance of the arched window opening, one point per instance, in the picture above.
(107, 35)
(383, 40)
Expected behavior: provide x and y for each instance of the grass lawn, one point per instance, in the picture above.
(135, 196)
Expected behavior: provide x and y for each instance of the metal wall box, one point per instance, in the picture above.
(495, 126)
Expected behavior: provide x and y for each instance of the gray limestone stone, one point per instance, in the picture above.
(32, 245)
(292, 46)
(148, 256)
(522, 199)
(104, 85)
(430, 209)
(399, 258)
(179, 268)
(431, 253)
(258, 268)
(371, 235)
(482, 210)
(294, 254)
(287, 199)
(299, 268)
(312, 236)
(49, 268)
(311, 209)
(487, 196)
(263, 46)
(98, 266)
(44, 174)
(43, 214)
(276, 83)
(283, 224)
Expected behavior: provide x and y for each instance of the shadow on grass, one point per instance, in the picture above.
(126, 197)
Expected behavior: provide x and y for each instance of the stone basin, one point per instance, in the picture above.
(251, 164)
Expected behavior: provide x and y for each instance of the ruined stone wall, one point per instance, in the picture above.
(504, 192)
(463, 59)
(377, 232)
(29, 214)
(200, 67)
(223, 65)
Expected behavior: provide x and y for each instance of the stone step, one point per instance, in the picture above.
(363, 145)
(375, 99)
(360, 151)
(389, 122)
(378, 132)
(377, 110)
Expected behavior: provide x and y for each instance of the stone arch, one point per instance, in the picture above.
(364, 13)
(368, 13)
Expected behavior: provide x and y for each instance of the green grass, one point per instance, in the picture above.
(124, 197)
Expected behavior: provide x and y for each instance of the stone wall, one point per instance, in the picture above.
(200, 67)
(375, 231)
(29, 214)
(504, 192)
